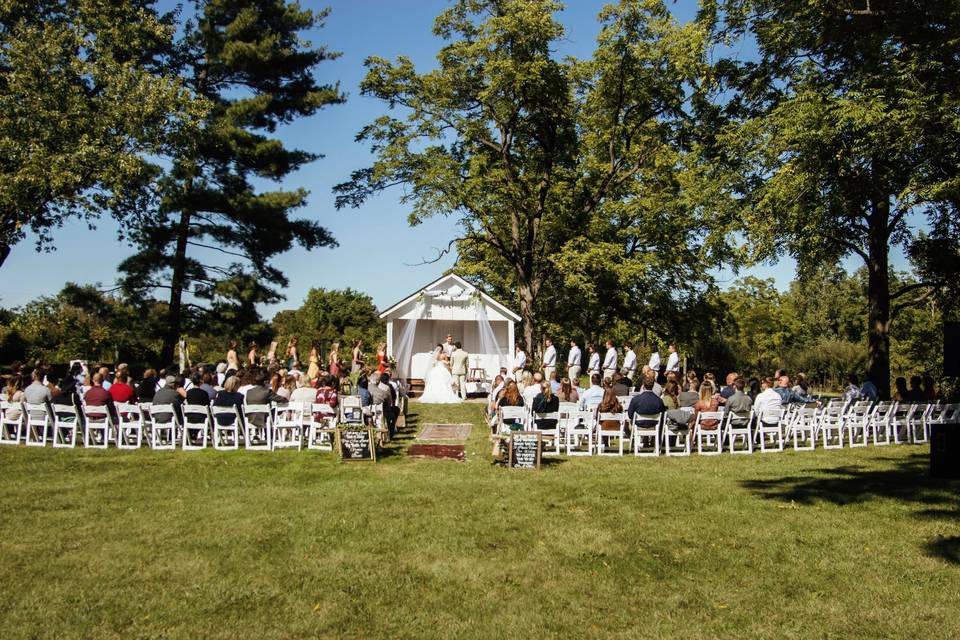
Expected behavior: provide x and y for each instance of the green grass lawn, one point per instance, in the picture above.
(829, 544)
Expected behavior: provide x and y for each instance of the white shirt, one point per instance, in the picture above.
(594, 361)
(519, 360)
(550, 357)
(765, 400)
(449, 348)
(673, 362)
(530, 393)
(630, 360)
(654, 361)
(610, 361)
(573, 358)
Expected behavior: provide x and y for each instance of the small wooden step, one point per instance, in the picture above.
(415, 387)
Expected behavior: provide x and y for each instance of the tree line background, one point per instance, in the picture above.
(599, 196)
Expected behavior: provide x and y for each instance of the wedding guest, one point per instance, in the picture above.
(593, 365)
(594, 394)
(708, 402)
(568, 392)
(121, 390)
(549, 359)
(574, 358)
(545, 402)
(233, 361)
(313, 366)
(357, 357)
(511, 398)
(228, 397)
(253, 354)
(333, 360)
(671, 390)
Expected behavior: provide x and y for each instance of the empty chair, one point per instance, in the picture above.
(900, 420)
(610, 426)
(11, 422)
(579, 432)
(196, 427)
(323, 424)
(288, 425)
(880, 422)
(257, 427)
(565, 410)
(163, 424)
(646, 431)
(66, 425)
(856, 423)
(738, 425)
(226, 425)
(708, 432)
(129, 426)
(770, 429)
(98, 427)
(927, 419)
(804, 428)
(830, 426)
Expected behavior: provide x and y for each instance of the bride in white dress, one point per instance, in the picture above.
(439, 383)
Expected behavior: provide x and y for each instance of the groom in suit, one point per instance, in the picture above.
(458, 368)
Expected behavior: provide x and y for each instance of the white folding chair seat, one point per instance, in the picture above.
(66, 425)
(288, 425)
(162, 429)
(856, 423)
(711, 438)
(226, 428)
(739, 425)
(98, 428)
(880, 422)
(553, 433)
(323, 424)
(830, 426)
(11, 422)
(506, 416)
(608, 433)
(804, 429)
(195, 428)
(579, 431)
(257, 427)
(681, 435)
(646, 437)
(129, 426)
(770, 430)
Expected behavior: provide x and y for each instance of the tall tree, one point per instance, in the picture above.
(83, 95)
(247, 59)
(844, 135)
(525, 150)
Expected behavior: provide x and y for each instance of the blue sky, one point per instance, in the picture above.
(376, 244)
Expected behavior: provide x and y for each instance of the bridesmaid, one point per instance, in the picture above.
(232, 361)
(292, 357)
(253, 355)
(381, 357)
(333, 360)
(357, 356)
(313, 370)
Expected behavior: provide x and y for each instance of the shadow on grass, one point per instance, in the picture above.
(905, 479)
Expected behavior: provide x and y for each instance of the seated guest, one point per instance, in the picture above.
(328, 394)
(901, 392)
(730, 389)
(679, 418)
(708, 402)
(304, 392)
(511, 398)
(546, 402)
(498, 384)
(526, 379)
(669, 395)
(121, 390)
(787, 395)
(739, 403)
(366, 400)
(222, 373)
(623, 384)
(610, 403)
(260, 393)
(13, 393)
(554, 382)
(767, 399)
(289, 384)
(753, 388)
(868, 391)
(567, 392)
(97, 396)
(532, 391)
(929, 389)
(148, 386)
(852, 392)
(37, 392)
(647, 403)
(657, 389)
(690, 396)
(802, 385)
(916, 392)
(206, 383)
(229, 397)
(172, 393)
(196, 396)
(594, 395)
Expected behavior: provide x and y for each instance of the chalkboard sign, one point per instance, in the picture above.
(356, 445)
(524, 452)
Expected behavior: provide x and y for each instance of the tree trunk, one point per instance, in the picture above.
(878, 297)
(177, 283)
(4, 252)
(528, 316)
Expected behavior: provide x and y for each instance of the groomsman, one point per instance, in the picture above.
(593, 367)
(654, 363)
(610, 361)
(629, 361)
(573, 363)
(519, 362)
(549, 359)
(449, 347)
(673, 360)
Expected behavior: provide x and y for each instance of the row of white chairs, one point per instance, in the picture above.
(262, 427)
(578, 431)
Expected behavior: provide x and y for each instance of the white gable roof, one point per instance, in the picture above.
(451, 287)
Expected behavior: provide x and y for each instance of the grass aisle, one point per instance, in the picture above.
(829, 544)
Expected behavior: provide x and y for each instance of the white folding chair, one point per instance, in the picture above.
(624, 402)
(38, 423)
(646, 436)
(681, 435)
(11, 422)
(711, 437)
(196, 427)
(608, 432)
(900, 420)
(129, 426)
(769, 429)
(226, 428)
(830, 425)
(880, 422)
(66, 425)
(856, 423)
(930, 415)
(163, 426)
(512, 415)
(804, 428)
(738, 425)
(323, 424)
(98, 428)
(351, 410)
(258, 427)
(579, 429)
(566, 409)
(541, 422)
(288, 425)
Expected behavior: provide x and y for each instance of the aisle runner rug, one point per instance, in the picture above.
(441, 441)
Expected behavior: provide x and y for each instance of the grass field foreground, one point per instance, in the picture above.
(829, 544)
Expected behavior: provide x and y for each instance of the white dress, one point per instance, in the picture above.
(439, 386)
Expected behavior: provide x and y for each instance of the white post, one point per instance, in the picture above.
(510, 344)
(390, 338)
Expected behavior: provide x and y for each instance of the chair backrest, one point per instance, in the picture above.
(884, 408)
(646, 418)
(606, 417)
(163, 410)
(195, 410)
(95, 413)
(129, 412)
(349, 401)
(624, 401)
(567, 408)
(513, 413)
(225, 416)
(738, 418)
(8, 409)
(703, 416)
(290, 413)
(65, 412)
(771, 415)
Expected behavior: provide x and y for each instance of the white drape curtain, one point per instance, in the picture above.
(403, 348)
(488, 340)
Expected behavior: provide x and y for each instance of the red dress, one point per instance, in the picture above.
(381, 362)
